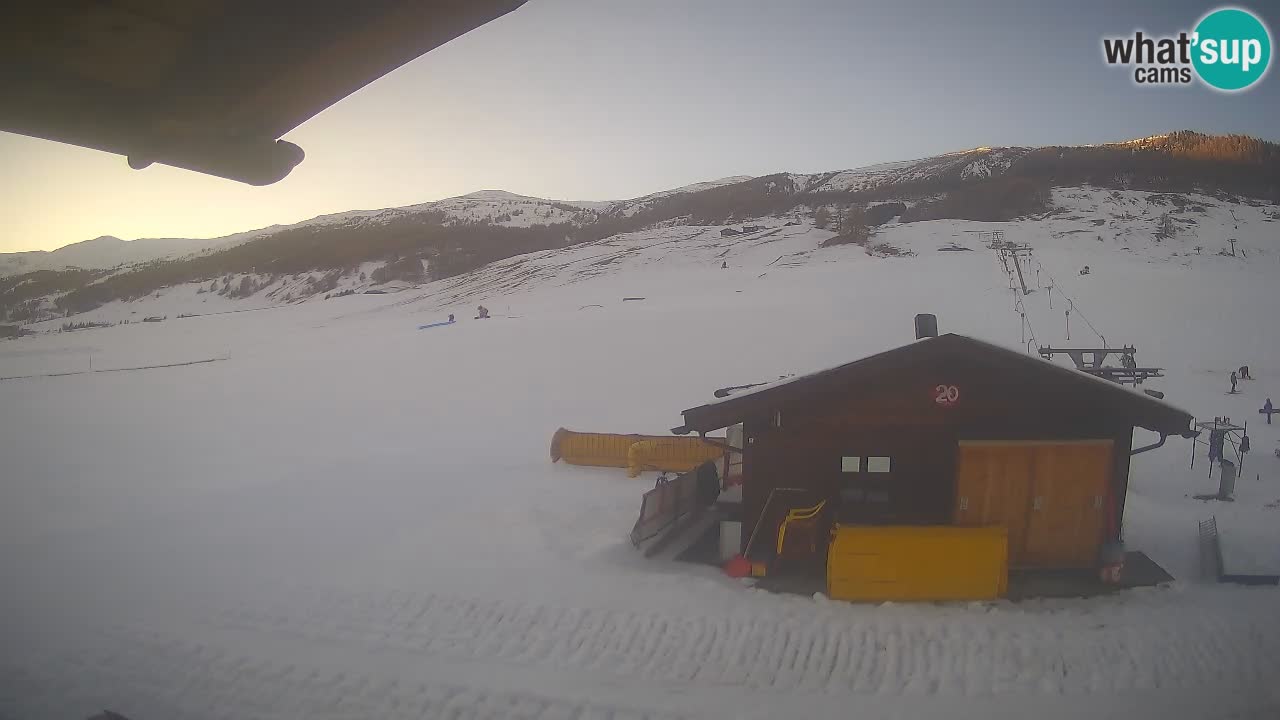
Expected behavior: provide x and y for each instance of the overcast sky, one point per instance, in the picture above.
(607, 99)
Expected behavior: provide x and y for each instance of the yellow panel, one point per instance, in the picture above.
(935, 562)
(676, 454)
(673, 454)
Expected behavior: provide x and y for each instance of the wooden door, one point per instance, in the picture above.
(993, 487)
(1068, 495)
(1050, 496)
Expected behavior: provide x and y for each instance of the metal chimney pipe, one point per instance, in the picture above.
(926, 326)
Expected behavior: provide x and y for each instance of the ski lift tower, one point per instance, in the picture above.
(1006, 251)
(994, 240)
(1232, 437)
(1016, 251)
(1093, 361)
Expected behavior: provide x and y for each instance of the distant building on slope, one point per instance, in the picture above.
(729, 232)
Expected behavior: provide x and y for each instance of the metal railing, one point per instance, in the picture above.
(669, 502)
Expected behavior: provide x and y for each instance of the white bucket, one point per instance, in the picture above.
(730, 539)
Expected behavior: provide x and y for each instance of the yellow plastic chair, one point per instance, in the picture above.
(799, 515)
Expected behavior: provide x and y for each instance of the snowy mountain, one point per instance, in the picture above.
(967, 164)
(492, 206)
(1126, 226)
(101, 252)
(1179, 174)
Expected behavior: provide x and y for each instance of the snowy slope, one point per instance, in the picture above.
(706, 185)
(915, 179)
(976, 163)
(498, 207)
(1118, 221)
(628, 208)
(353, 518)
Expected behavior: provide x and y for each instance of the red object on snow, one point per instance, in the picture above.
(737, 567)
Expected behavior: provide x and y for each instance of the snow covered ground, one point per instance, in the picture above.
(352, 518)
(978, 162)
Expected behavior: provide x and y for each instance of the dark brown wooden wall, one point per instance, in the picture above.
(898, 416)
(1120, 477)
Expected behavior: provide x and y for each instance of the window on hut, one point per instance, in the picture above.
(865, 484)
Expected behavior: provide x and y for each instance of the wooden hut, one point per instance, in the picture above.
(947, 431)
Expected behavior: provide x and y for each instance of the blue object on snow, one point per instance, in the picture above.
(446, 322)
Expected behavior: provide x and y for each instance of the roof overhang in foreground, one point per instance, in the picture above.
(208, 85)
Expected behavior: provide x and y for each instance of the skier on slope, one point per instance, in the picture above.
(1234, 379)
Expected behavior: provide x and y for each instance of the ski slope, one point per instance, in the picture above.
(349, 518)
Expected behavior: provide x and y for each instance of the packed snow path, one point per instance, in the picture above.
(407, 654)
(1137, 642)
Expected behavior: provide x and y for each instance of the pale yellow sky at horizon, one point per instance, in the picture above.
(357, 159)
(180, 203)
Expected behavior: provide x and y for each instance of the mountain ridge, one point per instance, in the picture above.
(447, 237)
(877, 171)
